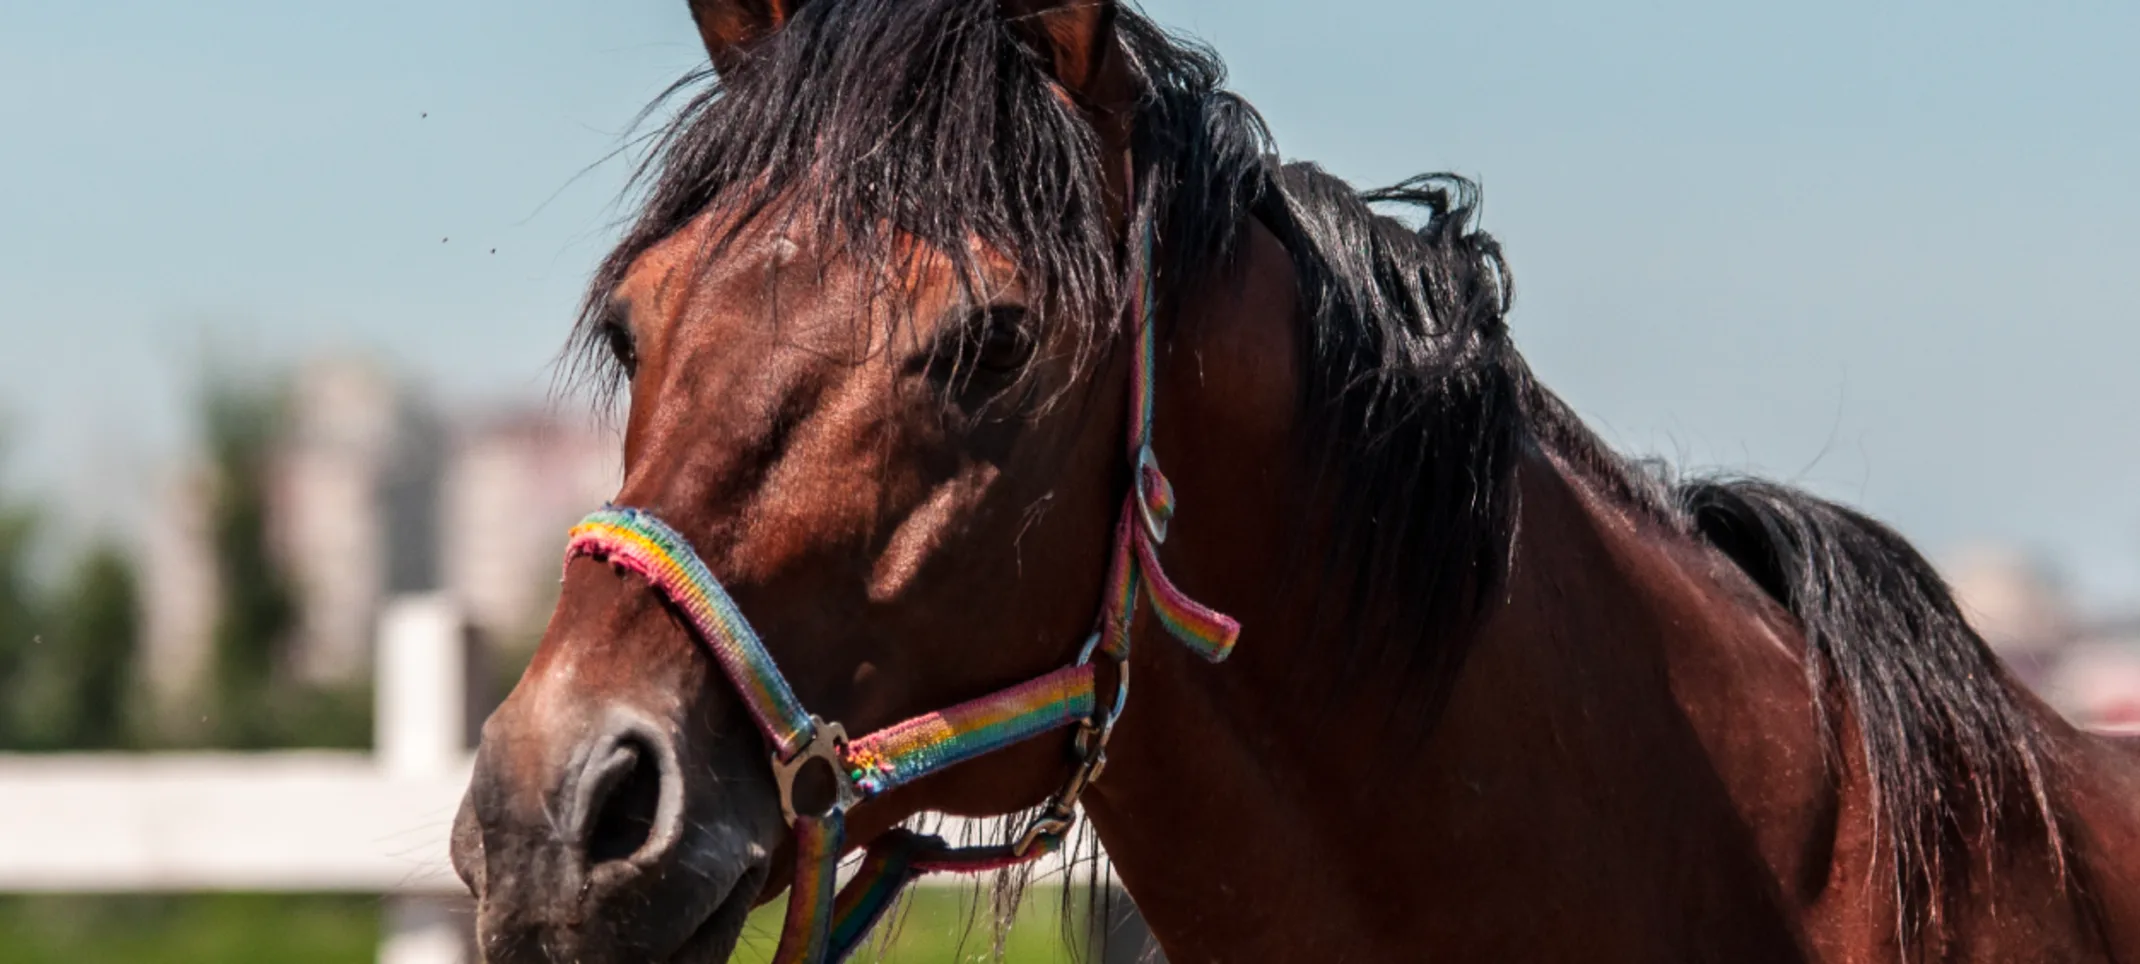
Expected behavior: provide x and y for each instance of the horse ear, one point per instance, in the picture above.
(729, 27)
(1078, 39)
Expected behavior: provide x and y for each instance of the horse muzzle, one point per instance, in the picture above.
(617, 839)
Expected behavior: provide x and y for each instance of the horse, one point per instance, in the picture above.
(904, 269)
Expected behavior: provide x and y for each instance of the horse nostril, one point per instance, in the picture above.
(624, 799)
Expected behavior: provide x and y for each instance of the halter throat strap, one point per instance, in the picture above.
(823, 923)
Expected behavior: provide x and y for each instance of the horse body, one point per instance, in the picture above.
(1625, 769)
(1500, 696)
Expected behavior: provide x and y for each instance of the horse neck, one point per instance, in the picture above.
(1594, 756)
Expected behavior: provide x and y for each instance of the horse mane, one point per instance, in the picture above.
(1415, 395)
(1431, 406)
(932, 120)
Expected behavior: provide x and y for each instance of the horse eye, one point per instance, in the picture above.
(981, 355)
(1002, 343)
(622, 347)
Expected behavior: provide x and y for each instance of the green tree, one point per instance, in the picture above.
(75, 686)
(18, 616)
(257, 609)
(256, 703)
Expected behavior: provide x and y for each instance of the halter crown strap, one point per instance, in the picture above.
(1148, 514)
(825, 924)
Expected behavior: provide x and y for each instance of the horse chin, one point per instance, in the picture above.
(715, 938)
(689, 905)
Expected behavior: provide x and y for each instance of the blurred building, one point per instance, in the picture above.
(374, 492)
(2017, 604)
(350, 435)
(514, 483)
(2086, 666)
(2098, 683)
(178, 586)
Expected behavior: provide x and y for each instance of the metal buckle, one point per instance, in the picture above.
(1148, 468)
(826, 741)
(1060, 814)
(1091, 745)
(1048, 824)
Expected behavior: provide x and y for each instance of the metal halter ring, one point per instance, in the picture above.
(1146, 473)
(1105, 712)
(826, 742)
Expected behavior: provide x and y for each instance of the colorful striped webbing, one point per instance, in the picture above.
(1210, 633)
(877, 882)
(643, 544)
(805, 934)
(907, 751)
(878, 762)
(890, 863)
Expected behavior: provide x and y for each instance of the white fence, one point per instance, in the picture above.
(285, 821)
(281, 821)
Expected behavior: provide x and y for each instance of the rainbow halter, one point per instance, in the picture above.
(824, 926)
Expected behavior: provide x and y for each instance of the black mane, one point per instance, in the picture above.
(1952, 756)
(1418, 398)
(932, 119)
(929, 120)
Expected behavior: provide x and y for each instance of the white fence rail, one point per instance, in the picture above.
(283, 821)
(279, 821)
(183, 822)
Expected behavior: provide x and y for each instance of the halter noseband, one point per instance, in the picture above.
(823, 926)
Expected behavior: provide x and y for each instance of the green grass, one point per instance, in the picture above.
(941, 926)
(194, 929)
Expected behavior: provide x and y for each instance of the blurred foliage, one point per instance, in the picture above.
(256, 608)
(74, 687)
(19, 625)
(68, 651)
(254, 703)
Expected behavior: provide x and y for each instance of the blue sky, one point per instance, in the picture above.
(1888, 253)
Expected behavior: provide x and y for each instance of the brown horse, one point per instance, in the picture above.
(1500, 695)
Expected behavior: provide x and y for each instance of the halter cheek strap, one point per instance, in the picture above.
(825, 923)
